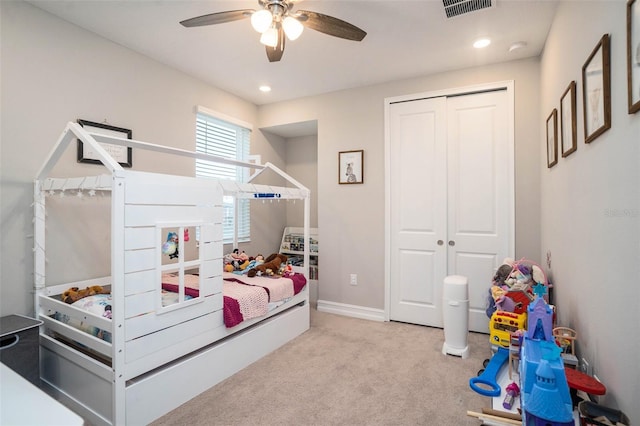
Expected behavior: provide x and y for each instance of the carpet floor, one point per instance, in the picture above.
(348, 371)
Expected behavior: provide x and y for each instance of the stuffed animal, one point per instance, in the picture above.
(538, 275)
(502, 274)
(258, 260)
(170, 247)
(235, 261)
(272, 263)
(74, 293)
(520, 275)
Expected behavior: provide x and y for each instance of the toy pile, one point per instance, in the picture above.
(510, 294)
(240, 263)
(512, 285)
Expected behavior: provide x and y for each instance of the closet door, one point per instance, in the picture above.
(418, 210)
(479, 194)
(450, 201)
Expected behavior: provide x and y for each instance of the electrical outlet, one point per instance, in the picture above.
(585, 367)
(354, 279)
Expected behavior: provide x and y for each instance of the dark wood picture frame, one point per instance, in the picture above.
(568, 121)
(351, 167)
(633, 55)
(596, 91)
(122, 154)
(552, 139)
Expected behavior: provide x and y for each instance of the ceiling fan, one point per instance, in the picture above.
(276, 20)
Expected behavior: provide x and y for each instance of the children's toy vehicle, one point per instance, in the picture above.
(486, 383)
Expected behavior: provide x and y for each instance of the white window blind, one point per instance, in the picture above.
(224, 139)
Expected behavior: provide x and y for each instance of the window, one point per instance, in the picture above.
(180, 262)
(226, 139)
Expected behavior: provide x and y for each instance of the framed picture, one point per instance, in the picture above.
(568, 126)
(552, 139)
(596, 91)
(633, 55)
(351, 167)
(122, 154)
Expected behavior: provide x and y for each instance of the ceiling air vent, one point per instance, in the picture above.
(454, 8)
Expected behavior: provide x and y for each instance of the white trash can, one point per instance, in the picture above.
(455, 311)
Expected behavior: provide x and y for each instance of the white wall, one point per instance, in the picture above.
(53, 72)
(302, 164)
(590, 206)
(351, 217)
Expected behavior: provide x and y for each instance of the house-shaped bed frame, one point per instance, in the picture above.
(158, 357)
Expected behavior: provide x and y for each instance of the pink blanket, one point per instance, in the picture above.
(171, 282)
(244, 297)
(243, 302)
(279, 288)
(274, 289)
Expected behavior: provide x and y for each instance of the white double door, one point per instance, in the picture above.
(450, 178)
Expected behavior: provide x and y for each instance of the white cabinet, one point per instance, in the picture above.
(292, 245)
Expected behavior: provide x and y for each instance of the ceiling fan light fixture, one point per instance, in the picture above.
(270, 37)
(292, 27)
(276, 22)
(261, 20)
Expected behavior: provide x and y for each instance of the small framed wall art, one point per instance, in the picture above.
(633, 55)
(596, 91)
(552, 139)
(351, 167)
(122, 154)
(568, 126)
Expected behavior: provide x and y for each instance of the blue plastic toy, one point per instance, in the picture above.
(490, 374)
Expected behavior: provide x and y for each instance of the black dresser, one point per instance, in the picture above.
(19, 346)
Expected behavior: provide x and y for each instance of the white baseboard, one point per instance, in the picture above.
(354, 311)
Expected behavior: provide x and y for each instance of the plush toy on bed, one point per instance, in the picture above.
(253, 262)
(272, 262)
(235, 261)
(74, 293)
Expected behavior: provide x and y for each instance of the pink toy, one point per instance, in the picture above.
(512, 393)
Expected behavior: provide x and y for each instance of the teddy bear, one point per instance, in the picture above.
(74, 293)
(272, 262)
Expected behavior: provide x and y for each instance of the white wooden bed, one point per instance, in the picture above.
(159, 356)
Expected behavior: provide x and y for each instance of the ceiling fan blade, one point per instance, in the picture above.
(217, 18)
(275, 53)
(330, 25)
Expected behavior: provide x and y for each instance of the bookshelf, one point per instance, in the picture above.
(292, 245)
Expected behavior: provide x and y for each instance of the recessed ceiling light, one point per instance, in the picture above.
(481, 42)
(265, 89)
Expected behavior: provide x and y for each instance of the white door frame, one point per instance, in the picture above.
(507, 85)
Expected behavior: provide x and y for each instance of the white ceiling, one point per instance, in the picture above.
(405, 39)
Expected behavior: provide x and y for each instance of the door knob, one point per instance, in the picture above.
(440, 242)
(452, 243)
